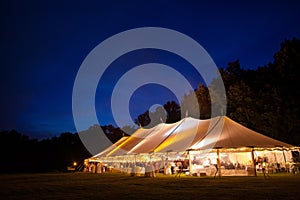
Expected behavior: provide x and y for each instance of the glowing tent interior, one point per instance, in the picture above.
(216, 146)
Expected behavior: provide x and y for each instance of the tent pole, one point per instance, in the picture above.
(284, 156)
(219, 163)
(275, 157)
(190, 163)
(285, 165)
(253, 161)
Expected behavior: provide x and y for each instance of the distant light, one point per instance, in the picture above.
(75, 163)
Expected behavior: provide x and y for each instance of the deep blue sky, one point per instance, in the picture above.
(43, 44)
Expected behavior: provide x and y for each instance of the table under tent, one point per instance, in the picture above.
(216, 146)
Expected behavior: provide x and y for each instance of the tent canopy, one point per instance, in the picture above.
(191, 134)
(234, 135)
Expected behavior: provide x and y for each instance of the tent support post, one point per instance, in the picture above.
(219, 163)
(284, 156)
(190, 163)
(253, 161)
(275, 157)
(285, 165)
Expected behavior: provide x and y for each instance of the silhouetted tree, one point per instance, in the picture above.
(143, 119)
(173, 112)
(170, 113)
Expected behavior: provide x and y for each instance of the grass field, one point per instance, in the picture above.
(119, 186)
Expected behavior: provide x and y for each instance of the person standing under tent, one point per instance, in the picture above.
(215, 163)
(152, 168)
(90, 167)
(168, 170)
(265, 166)
(98, 168)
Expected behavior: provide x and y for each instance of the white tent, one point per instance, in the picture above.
(220, 141)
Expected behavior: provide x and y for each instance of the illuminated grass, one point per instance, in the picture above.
(119, 186)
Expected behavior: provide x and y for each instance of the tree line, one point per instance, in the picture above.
(265, 99)
(20, 154)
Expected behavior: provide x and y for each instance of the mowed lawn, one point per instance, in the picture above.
(120, 186)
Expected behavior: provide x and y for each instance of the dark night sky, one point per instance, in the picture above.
(44, 44)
